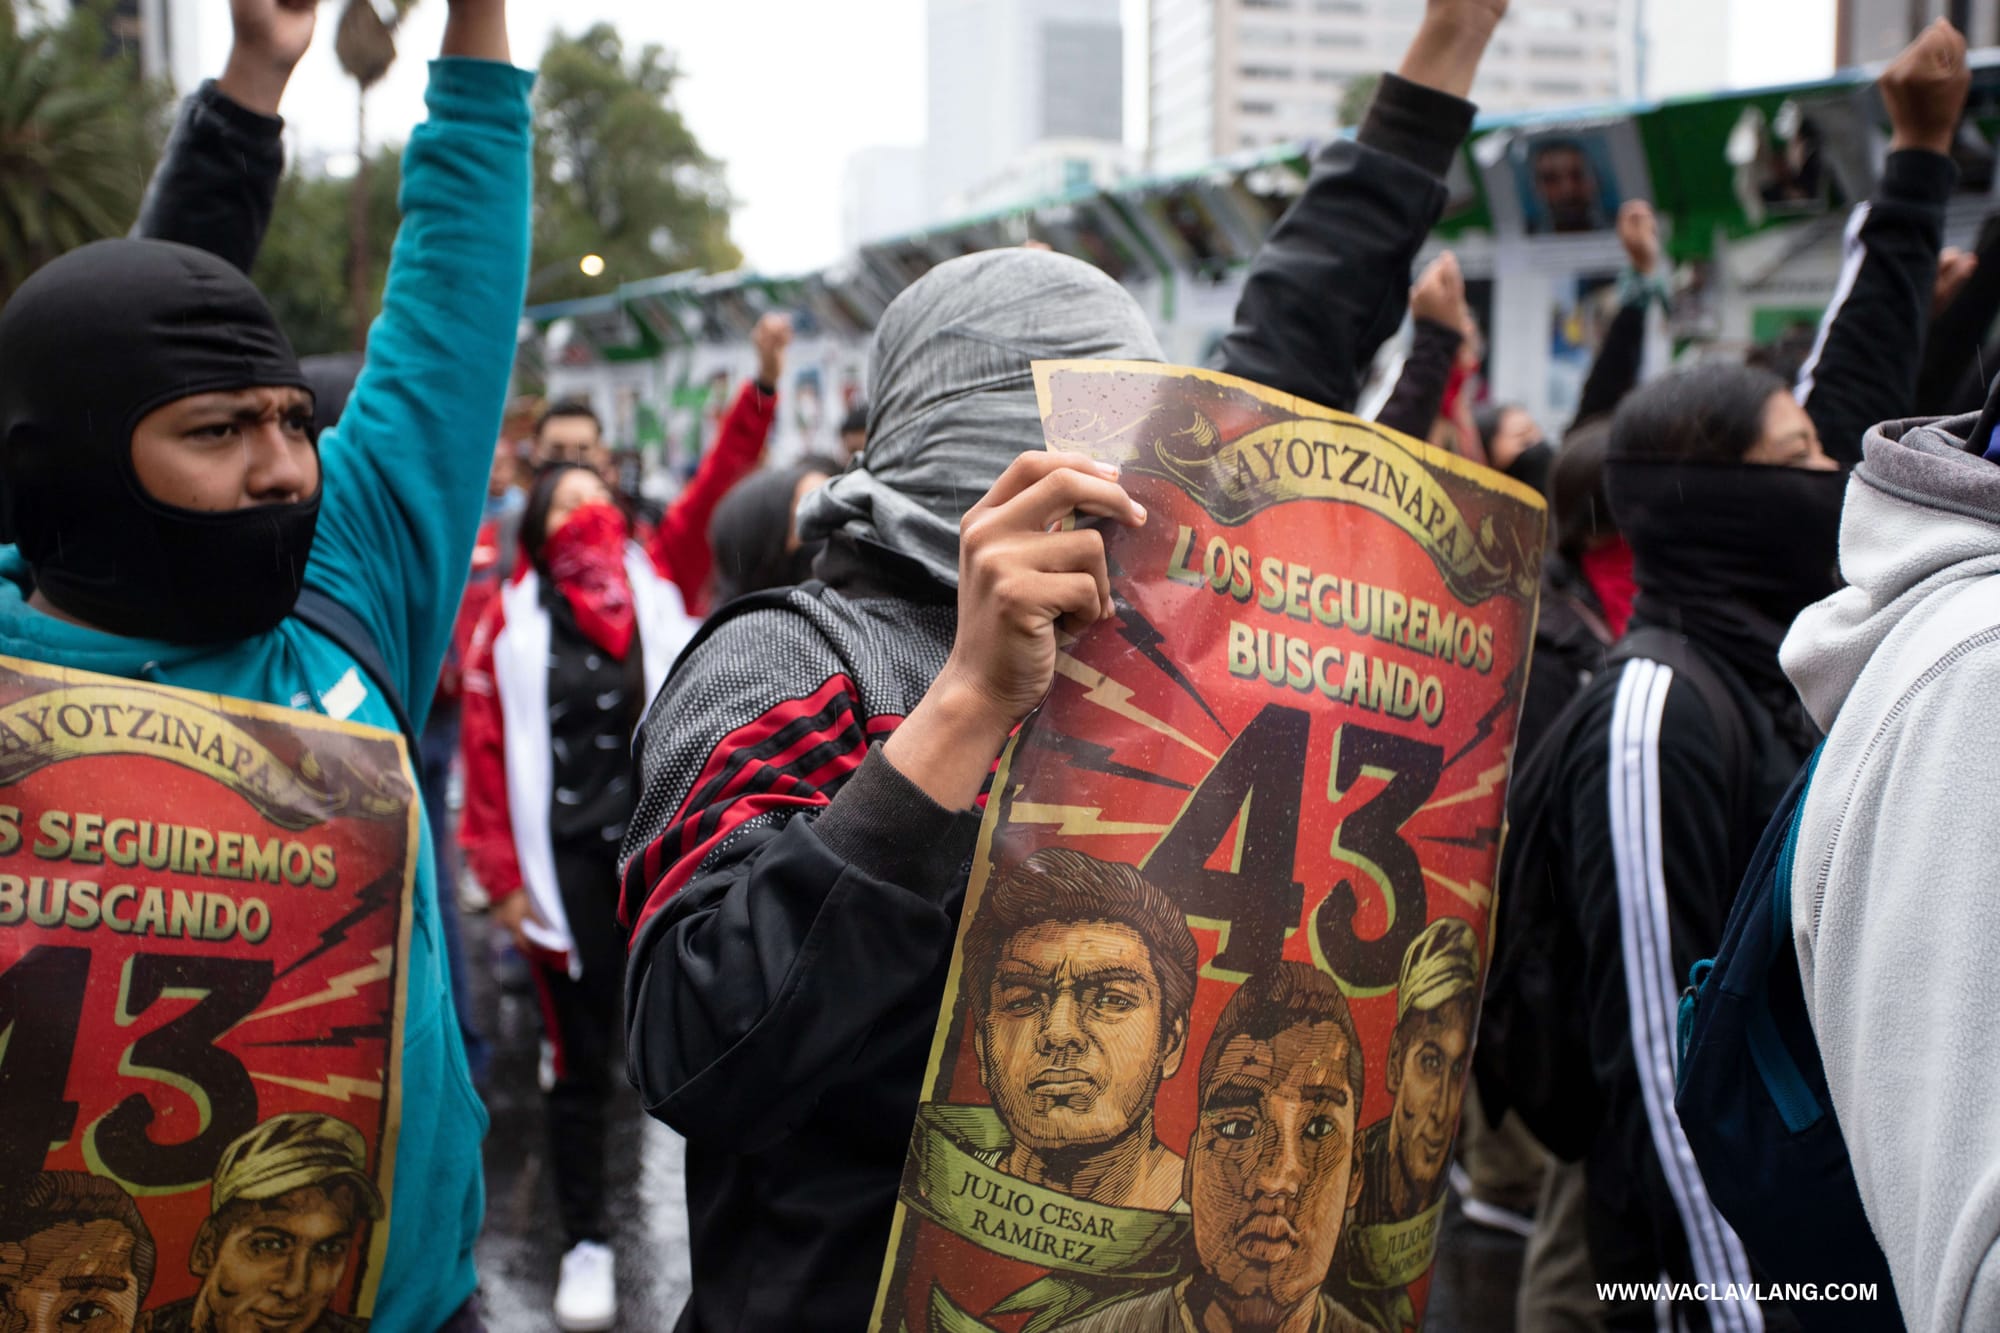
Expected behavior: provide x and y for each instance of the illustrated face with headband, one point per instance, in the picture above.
(157, 458)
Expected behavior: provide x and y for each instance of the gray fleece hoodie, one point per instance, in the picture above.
(1895, 906)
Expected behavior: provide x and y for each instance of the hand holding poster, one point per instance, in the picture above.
(204, 917)
(1211, 1013)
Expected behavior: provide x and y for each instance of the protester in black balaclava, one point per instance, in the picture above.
(755, 533)
(1661, 774)
(1731, 506)
(166, 501)
(126, 363)
(1634, 822)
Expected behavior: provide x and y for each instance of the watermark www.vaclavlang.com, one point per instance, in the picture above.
(1732, 1291)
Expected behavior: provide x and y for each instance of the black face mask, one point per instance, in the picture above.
(1736, 548)
(88, 346)
(1531, 466)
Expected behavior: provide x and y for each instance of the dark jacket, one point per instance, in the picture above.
(793, 899)
(1418, 397)
(1655, 824)
(1331, 282)
(217, 181)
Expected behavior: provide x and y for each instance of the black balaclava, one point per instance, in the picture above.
(88, 346)
(1729, 553)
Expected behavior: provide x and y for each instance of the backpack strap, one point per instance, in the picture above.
(1674, 651)
(320, 612)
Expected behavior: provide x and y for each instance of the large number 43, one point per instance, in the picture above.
(1256, 788)
(41, 1019)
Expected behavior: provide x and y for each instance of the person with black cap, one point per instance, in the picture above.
(167, 503)
(1634, 822)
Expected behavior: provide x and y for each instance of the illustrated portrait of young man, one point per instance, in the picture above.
(284, 1206)
(1271, 1169)
(75, 1256)
(1080, 975)
(1406, 1156)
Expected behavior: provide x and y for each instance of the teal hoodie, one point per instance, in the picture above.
(404, 476)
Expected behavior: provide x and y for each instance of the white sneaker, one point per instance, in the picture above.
(587, 1294)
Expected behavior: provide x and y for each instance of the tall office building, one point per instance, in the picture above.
(881, 195)
(1006, 75)
(1227, 75)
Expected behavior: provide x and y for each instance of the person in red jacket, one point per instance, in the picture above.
(570, 432)
(559, 674)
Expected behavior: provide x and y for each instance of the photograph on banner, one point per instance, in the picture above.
(1808, 156)
(1227, 914)
(1975, 145)
(1567, 179)
(1579, 316)
(205, 910)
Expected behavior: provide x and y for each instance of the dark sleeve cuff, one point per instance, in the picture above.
(1442, 339)
(1918, 176)
(236, 117)
(1418, 124)
(885, 826)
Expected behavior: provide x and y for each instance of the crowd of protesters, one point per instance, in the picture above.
(721, 759)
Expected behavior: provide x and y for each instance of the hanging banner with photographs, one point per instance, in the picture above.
(204, 921)
(1211, 1012)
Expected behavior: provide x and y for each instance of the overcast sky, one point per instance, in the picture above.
(783, 90)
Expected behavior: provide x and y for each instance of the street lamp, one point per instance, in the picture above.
(592, 265)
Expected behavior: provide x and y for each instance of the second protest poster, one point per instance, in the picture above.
(1210, 1018)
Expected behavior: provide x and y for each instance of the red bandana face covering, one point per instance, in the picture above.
(586, 559)
(1608, 570)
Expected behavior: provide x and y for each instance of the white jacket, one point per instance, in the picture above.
(1895, 904)
(519, 630)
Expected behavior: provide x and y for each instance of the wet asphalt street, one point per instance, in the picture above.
(521, 1250)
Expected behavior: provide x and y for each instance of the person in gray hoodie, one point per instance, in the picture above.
(1893, 908)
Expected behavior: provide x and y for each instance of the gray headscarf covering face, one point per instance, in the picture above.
(952, 397)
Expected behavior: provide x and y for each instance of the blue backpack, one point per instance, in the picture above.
(1753, 1099)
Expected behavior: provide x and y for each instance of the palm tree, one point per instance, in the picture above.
(366, 45)
(78, 137)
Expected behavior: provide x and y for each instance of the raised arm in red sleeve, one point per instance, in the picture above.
(680, 547)
(486, 830)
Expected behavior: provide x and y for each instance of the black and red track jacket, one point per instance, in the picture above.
(793, 899)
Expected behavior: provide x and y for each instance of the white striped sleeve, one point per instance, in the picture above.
(1650, 992)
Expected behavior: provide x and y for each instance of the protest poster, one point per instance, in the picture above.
(204, 919)
(1209, 1019)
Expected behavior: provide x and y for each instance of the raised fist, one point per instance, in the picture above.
(1439, 295)
(1924, 89)
(771, 337)
(276, 30)
(1639, 233)
(1955, 269)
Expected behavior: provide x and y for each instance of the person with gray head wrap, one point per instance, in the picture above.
(811, 771)
(953, 396)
